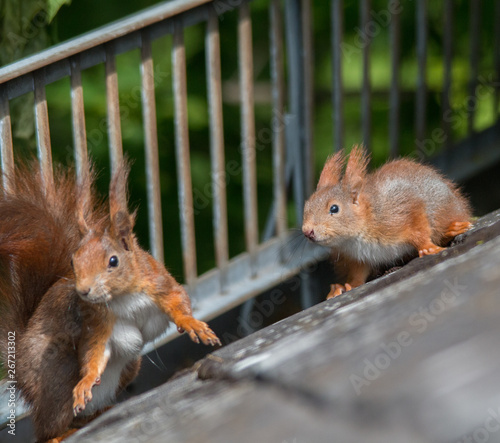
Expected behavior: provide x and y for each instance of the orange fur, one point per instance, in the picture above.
(332, 171)
(92, 356)
(355, 274)
(355, 173)
(68, 301)
(374, 220)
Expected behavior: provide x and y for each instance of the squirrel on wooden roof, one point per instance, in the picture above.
(374, 220)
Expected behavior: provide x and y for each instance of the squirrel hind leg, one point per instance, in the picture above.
(419, 233)
(49, 370)
(53, 424)
(453, 229)
(456, 228)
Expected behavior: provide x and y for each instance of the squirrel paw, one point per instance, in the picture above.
(337, 289)
(82, 393)
(198, 330)
(430, 250)
(457, 228)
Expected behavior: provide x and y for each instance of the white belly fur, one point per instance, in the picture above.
(375, 254)
(138, 321)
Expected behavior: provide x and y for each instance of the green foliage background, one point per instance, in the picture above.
(50, 21)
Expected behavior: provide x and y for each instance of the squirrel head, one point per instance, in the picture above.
(337, 209)
(105, 263)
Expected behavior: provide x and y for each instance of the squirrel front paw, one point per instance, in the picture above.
(198, 330)
(430, 250)
(337, 289)
(82, 393)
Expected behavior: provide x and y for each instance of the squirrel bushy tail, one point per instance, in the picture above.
(39, 231)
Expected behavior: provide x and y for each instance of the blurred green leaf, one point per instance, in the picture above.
(53, 7)
(23, 26)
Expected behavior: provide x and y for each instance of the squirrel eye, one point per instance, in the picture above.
(113, 261)
(334, 209)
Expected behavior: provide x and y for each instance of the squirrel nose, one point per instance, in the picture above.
(309, 234)
(83, 292)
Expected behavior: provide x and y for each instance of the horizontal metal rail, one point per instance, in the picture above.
(112, 32)
(94, 47)
(242, 285)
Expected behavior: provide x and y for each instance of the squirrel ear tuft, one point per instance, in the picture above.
(122, 222)
(355, 173)
(332, 171)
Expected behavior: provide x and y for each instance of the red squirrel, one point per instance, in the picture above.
(81, 296)
(373, 220)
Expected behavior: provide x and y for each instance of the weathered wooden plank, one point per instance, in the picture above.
(189, 410)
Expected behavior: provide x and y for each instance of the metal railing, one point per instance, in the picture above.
(232, 281)
(262, 265)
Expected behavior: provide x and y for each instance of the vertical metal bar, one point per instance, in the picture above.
(6, 149)
(113, 109)
(475, 23)
(297, 119)
(278, 124)
(43, 132)
(366, 117)
(448, 59)
(421, 98)
(212, 44)
(496, 47)
(308, 67)
(245, 59)
(78, 120)
(151, 146)
(295, 116)
(337, 86)
(395, 101)
(182, 156)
